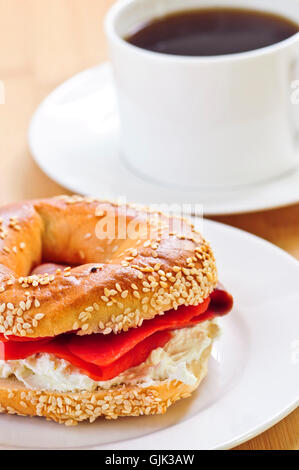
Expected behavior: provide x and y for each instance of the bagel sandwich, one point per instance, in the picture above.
(106, 309)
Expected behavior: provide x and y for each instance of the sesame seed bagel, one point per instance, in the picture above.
(111, 266)
(72, 408)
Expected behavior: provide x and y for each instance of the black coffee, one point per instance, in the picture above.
(212, 31)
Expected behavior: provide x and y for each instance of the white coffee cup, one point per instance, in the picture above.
(194, 122)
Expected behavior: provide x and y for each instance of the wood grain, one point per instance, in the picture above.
(44, 42)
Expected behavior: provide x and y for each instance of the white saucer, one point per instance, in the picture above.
(253, 378)
(73, 137)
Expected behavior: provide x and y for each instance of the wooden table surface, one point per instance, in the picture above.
(44, 42)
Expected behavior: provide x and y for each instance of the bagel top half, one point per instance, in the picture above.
(124, 265)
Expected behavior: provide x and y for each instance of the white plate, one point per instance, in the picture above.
(253, 379)
(73, 137)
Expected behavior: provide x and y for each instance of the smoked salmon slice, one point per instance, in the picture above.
(103, 357)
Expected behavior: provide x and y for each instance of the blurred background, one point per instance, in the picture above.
(45, 42)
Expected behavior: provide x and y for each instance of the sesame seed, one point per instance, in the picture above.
(99, 212)
(39, 316)
(107, 331)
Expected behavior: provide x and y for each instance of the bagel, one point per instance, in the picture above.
(80, 266)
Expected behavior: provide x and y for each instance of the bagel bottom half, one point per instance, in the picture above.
(71, 408)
